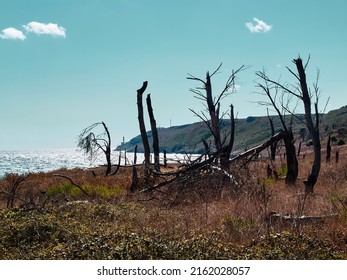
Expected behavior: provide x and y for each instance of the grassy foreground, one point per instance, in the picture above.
(207, 219)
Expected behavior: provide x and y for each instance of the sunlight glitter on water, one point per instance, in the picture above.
(33, 161)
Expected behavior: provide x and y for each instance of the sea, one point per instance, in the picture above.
(43, 160)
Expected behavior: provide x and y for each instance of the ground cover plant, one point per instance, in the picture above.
(255, 216)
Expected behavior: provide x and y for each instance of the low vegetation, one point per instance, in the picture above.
(255, 216)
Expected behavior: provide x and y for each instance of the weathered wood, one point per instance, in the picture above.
(134, 182)
(154, 133)
(328, 149)
(107, 149)
(292, 162)
(291, 159)
(256, 150)
(273, 146)
(312, 127)
(142, 122)
(226, 149)
(118, 165)
(165, 159)
(143, 129)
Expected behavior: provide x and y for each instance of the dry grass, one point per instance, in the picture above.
(239, 215)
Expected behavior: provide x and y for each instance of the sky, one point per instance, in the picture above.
(66, 64)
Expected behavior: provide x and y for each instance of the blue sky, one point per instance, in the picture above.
(67, 64)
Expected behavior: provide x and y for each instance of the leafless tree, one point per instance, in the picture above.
(93, 144)
(277, 101)
(144, 132)
(303, 93)
(214, 118)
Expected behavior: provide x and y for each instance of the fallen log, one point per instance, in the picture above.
(256, 150)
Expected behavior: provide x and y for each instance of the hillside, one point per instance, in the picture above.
(249, 132)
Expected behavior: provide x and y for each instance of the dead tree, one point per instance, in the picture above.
(93, 144)
(212, 105)
(299, 148)
(328, 156)
(15, 181)
(273, 147)
(254, 152)
(313, 127)
(288, 139)
(305, 95)
(226, 149)
(142, 126)
(135, 180)
(154, 133)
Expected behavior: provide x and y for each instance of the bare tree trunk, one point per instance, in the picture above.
(226, 150)
(154, 133)
(273, 146)
(299, 148)
(213, 108)
(134, 181)
(108, 150)
(142, 122)
(143, 128)
(292, 161)
(165, 159)
(328, 149)
(213, 113)
(312, 128)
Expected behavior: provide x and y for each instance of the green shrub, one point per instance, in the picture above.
(282, 171)
(104, 192)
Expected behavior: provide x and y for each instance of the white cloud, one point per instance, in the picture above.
(260, 26)
(45, 29)
(12, 34)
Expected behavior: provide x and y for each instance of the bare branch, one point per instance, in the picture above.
(266, 89)
(263, 76)
(220, 65)
(295, 75)
(72, 182)
(308, 60)
(191, 77)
